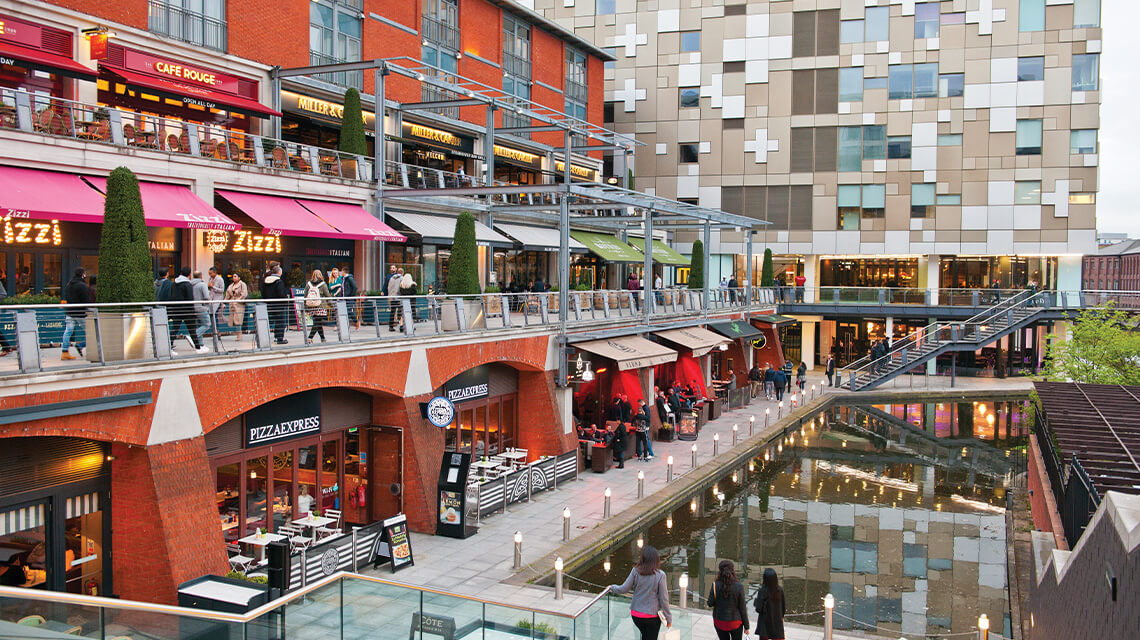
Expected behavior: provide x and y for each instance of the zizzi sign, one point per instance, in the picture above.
(469, 385)
(284, 419)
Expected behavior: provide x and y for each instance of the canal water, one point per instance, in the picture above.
(897, 510)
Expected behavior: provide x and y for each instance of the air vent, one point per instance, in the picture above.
(115, 55)
(55, 41)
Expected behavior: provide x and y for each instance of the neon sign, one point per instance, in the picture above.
(45, 233)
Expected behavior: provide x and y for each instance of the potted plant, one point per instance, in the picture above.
(767, 271)
(351, 134)
(462, 275)
(697, 266)
(125, 270)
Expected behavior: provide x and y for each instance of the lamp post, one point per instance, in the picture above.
(558, 578)
(735, 429)
(751, 424)
(683, 583)
(565, 524)
(606, 507)
(767, 416)
(716, 444)
(518, 551)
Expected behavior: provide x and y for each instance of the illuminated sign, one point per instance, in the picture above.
(98, 45)
(186, 73)
(320, 107)
(576, 170)
(522, 157)
(323, 109)
(243, 241)
(34, 233)
(20, 32)
(435, 135)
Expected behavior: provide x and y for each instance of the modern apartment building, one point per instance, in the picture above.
(890, 143)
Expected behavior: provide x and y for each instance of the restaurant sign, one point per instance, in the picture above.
(179, 71)
(20, 32)
(469, 385)
(577, 171)
(434, 624)
(438, 137)
(293, 416)
(524, 158)
(319, 109)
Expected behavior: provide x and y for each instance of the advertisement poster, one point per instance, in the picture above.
(450, 507)
(399, 545)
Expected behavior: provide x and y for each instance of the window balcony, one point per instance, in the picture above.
(185, 25)
(354, 79)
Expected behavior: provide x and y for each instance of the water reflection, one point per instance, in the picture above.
(897, 510)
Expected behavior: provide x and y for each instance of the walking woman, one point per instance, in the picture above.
(650, 594)
(236, 293)
(730, 614)
(801, 375)
(770, 608)
(336, 288)
(317, 303)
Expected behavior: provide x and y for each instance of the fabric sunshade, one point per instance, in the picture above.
(48, 195)
(735, 329)
(280, 216)
(662, 253)
(441, 229)
(537, 238)
(630, 352)
(608, 247)
(193, 95)
(44, 61)
(699, 341)
(773, 319)
(172, 205)
(352, 221)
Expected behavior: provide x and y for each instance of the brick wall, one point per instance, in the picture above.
(1043, 504)
(132, 13)
(269, 31)
(130, 425)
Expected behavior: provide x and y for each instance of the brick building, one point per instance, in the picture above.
(1115, 267)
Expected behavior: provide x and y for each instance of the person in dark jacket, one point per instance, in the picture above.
(75, 296)
(614, 412)
(350, 291)
(626, 409)
(165, 284)
(183, 291)
(726, 597)
(755, 379)
(618, 444)
(641, 431)
(788, 376)
(779, 381)
(832, 379)
(770, 607)
(273, 288)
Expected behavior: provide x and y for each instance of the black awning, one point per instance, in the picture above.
(773, 319)
(735, 329)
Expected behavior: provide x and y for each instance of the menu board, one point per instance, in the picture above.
(687, 427)
(399, 544)
(450, 507)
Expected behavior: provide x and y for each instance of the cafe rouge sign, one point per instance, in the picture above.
(180, 71)
(286, 418)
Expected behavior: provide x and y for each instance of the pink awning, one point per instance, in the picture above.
(352, 221)
(172, 205)
(48, 195)
(280, 216)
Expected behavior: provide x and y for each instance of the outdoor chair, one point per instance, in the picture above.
(238, 561)
(334, 528)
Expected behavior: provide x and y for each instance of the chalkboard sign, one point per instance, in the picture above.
(435, 625)
(399, 544)
(687, 427)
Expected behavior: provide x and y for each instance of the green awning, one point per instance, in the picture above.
(735, 329)
(607, 247)
(773, 319)
(662, 253)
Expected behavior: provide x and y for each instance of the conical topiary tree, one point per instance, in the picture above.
(462, 270)
(767, 272)
(697, 266)
(124, 255)
(352, 125)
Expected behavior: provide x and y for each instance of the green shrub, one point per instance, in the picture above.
(31, 298)
(237, 575)
(124, 253)
(463, 274)
(583, 287)
(492, 288)
(295, 278)
(541, 627)
(767, 272)
(352, 125)
(697, 266)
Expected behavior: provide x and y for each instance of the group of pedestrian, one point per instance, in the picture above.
(879, 349)
(397, 284)
(621, 413)
(649, 606)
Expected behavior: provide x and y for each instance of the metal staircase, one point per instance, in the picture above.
(937, 338)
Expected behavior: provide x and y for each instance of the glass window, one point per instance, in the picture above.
(926, 80)
(688, 153)
(926, 20)
(848, 195)
(1082, 198)
(951, 85)
(850, 149)
(610, 64)
(228, 486)
(848, 202)
(1086, 13)
(1027, 192)
(575, 89)
(1082, 141)
(195, 21)
(256, 492)
(1031, 68)
(307, 490)
(874, 200)
(330, 475)
(901, 77)
(874, 83)
(690, 41)
(606, 7)
(1031, 15)
(690, 97)
(1085, 71)
(949, 199)
(282, 488)
(950, 140)
(1028, 137)
(874, 142)
(898, 146)
(851, 84)
(922, 200)
(877, 24)
(851, 31)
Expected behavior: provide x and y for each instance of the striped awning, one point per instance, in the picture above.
(21, 519)
(82, 505)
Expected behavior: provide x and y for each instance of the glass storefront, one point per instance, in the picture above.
(486, 405)
(869, 272)
(517, 270)
(1009, 272)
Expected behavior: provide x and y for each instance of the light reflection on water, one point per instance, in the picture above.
(896, 510)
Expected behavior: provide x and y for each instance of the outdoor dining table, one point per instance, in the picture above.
(258, 543)
(485, 464)
(314, 522)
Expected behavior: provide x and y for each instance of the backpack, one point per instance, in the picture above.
(312, 296)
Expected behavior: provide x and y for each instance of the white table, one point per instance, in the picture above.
(484, 464)
(314, 523)
(259, 543)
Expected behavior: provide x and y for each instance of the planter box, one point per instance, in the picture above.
(472, 311)
(599, 301)
(601, 459)
(124, 336)
(667, 296)
(666, 435)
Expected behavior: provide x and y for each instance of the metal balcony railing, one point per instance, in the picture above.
(440, 33)
(353, 79)
(106, 125)
(176, 22)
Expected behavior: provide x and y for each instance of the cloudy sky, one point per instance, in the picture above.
(1118, 205)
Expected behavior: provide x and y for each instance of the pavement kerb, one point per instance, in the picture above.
(581, 549)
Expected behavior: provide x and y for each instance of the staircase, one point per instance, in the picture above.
(937, 338)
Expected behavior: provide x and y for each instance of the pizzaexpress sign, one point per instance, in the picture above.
(290, 417)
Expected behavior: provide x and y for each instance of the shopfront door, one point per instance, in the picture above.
(387, 480)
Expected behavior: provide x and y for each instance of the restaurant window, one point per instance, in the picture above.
(334, 36)
(440, 31)
(516, 68)
(200, 22)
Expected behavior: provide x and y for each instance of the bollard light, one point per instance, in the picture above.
(767, 416)
(606, 508)
(813, 392)
(558, 578)
(983, 627)
(828, 620)
(518, 551)
(683, 583)
(779, 409)
(669, 469)
(640, 542)
(716, 444)
(751, 424)
(565, 524)
(669, 522)
(694, 456)
(640, 485)
(735, 429)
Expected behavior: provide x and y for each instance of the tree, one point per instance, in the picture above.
(697, 266)
(462, 273)
(767, 272)
(124, 253)
(1101, 348)
(352, 125)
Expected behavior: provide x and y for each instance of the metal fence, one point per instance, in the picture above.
(1076, 496)
(165, 18)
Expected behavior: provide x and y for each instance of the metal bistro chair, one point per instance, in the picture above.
(298, 541)
(334, 528)
(238, 561)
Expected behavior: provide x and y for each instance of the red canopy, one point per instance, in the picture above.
(172, 205)
(193, 94)
(48, 195)
(352, 221)
(44, 61)
(689, 372)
